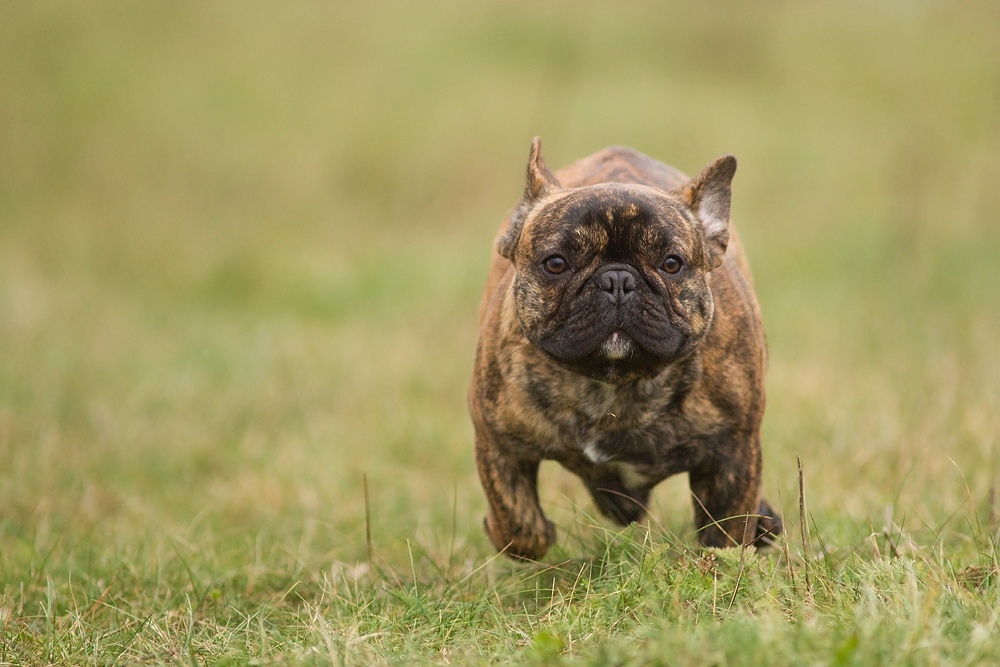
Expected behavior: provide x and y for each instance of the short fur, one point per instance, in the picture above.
(622, 371)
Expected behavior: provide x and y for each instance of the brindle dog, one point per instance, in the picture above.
(620, 335)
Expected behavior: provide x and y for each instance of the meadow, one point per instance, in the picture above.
(241, 252)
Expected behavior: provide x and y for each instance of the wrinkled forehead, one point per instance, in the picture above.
(615, 219)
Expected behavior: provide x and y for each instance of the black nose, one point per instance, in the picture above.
(618, 285)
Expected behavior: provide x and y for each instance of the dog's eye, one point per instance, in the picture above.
(555, 264)
(672, 264)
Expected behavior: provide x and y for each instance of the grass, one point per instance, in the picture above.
(240, 257)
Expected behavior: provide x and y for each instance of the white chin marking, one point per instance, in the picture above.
(616, 347)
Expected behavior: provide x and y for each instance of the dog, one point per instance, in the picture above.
(620, 336)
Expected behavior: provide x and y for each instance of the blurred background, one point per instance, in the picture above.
(242, 246)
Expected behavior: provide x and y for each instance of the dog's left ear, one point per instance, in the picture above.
(540, 183)
(708, 196)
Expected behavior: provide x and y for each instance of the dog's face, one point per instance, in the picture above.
(611, 280)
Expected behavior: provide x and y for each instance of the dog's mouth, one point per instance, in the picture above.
(618, 358)
(633, 337)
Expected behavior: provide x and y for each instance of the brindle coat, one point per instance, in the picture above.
(623, 372)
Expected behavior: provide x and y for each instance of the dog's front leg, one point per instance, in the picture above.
(515, 522)
(726, 494)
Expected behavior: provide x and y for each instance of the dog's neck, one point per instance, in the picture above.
(598, 404)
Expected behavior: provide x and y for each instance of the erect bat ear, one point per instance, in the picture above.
(708, 197)
(539, 184)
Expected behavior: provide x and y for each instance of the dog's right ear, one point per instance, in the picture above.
(540, 184)
(708, 197)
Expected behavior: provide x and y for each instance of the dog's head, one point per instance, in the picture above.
(611, 279)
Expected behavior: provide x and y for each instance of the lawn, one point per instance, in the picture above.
(241, 251)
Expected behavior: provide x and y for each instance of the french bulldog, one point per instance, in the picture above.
(620, 336)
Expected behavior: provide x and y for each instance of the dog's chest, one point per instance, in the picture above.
(618, 426)
(585, 423)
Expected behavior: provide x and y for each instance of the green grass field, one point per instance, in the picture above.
(241, 250)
